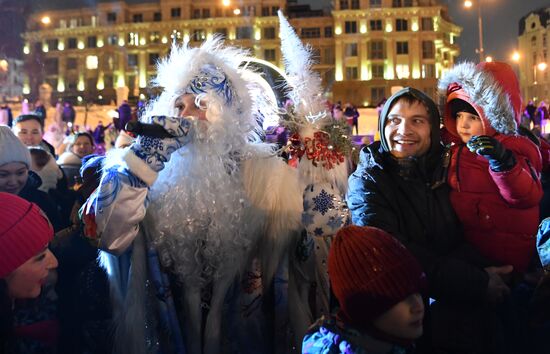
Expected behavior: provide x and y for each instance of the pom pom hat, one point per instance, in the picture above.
(12, 149)
(24, 231)
(370, 272)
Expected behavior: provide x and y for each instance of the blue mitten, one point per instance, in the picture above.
(156, 151)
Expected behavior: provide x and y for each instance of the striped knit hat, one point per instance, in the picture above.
(370, 272)
(24, 231)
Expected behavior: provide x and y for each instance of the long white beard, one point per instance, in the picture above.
(204, 224)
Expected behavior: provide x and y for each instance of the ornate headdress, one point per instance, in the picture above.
(317, 140)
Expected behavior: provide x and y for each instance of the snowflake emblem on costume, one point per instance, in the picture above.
(323, 202)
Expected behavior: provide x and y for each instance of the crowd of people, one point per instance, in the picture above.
(196, 236)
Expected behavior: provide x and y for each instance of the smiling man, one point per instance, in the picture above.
(399, 187)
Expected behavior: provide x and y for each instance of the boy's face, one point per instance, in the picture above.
(468, 125)
(29, 132)
(404, 320)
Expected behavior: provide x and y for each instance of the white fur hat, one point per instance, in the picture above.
(12, 149)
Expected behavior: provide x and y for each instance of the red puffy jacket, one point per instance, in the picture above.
(499, 210)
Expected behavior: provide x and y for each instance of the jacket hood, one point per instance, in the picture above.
(492, 89)
(435, 146)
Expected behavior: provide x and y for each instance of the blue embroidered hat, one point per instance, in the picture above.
(212, 78)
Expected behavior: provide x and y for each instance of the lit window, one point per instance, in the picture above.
(91, 62)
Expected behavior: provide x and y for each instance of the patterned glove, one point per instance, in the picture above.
(156, 151)
(500, 158)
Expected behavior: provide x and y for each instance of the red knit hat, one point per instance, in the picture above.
(370, 272)
(24, 231)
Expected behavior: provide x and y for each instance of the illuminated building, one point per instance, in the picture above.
(364, 47)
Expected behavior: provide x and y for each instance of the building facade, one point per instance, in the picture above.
(364, 48)
(533, 42)
(11, 79)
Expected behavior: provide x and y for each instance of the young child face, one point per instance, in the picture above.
(404, 320)
(26, 281)
(83, 146)
(29, 132)
(468, 125)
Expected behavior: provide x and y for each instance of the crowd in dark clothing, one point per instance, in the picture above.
(473, 304)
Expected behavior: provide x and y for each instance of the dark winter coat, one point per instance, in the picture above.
(408, 199)
(31, 193)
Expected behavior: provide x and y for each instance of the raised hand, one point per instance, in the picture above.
(156, 151)
(500, 159)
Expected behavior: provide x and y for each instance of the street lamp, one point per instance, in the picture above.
(46, 20)
(468, 4)
(516, 56)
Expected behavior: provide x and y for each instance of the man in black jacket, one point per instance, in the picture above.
(399, 186)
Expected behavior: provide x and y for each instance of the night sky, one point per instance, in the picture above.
(501, 18)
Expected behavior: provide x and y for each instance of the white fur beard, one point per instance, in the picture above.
(202, 213)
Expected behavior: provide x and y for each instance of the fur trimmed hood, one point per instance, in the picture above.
(492, 89)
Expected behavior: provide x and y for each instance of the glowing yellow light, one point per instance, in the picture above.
(26, 89)
(142, 41)
(516, 56)
(142, 77)
(46, 20)
(489, 59)
(4, 65)
(338, 30)
(389, 27)
(416, 74)
(92, 62)
(237, 11)
(120, 81)
(45, 47)
(209, 36)
(164, 40)
(100, 83)
(79, 98)
(363, 29)
(186, 38)
(257, 34)
(26, 49)
(60, 85)
(414, 26)
(121, 42)
(226, 3)
(339, 76)
(542, 66)
(468, 4)
(100, 43)
(80, 45)
(60, 46)
(80, 85)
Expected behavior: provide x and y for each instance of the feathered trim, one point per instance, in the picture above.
(273, 187)
(485, 92)
(304, 84)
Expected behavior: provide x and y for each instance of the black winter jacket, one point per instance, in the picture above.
(409, 199)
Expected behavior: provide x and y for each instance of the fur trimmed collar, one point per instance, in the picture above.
(484, 91)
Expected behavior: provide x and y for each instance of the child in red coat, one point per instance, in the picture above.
(494, 173)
